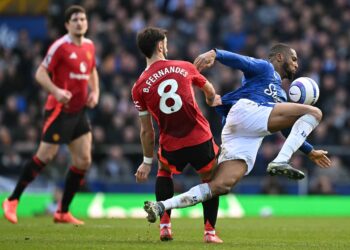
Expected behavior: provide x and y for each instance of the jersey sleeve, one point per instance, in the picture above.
(139, 103)
(249, 65)
(197, 78)
(52, 58)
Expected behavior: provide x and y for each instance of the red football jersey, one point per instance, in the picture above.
(70, 66)
(165, 91)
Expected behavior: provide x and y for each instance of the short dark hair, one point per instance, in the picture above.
(279, 48)
(72, 10)
(148, 38)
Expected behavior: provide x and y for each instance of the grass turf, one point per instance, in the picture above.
(247, 233)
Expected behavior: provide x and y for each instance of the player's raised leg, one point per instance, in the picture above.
(226, 176)
(46, 152)
(303, 119)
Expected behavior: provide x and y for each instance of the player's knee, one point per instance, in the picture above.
(221, 187)
(318, 114)
(84, 162)
(46, 158)
(315, 112)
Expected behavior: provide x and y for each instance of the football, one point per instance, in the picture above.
(304, 90)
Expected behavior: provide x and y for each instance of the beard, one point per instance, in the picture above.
(288, 72)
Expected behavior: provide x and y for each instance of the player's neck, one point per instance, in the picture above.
(77, 40)
(153, 59)
(278, 69)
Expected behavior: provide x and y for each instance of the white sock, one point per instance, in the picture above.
(193, 196)
(300, 130)
(168, 225)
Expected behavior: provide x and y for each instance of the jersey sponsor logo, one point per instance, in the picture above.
(272, 91)
(73, 56)
(78, 76)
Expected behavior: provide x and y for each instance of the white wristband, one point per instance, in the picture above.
(147, 160)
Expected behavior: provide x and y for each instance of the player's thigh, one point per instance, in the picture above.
(58, 127)
(247, 118)
(203, 158)
(165, 167)
(227, 175)
(47, 151)
(172, 161)
(284, 115)
(80, 150)
(244, 148)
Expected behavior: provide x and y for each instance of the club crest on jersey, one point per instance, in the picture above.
(83, 67)
(88, 55)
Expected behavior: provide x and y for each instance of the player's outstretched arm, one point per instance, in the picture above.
(205, 60)
(320, 158)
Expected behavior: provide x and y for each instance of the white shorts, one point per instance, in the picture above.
(245, 128)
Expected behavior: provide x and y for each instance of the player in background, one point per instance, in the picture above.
(67, 72)
(164, 91)
(255, 110)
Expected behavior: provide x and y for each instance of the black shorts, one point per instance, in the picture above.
(201, 157)
(62, 128)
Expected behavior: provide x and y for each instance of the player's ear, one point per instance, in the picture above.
(161, 46)
(279, 57)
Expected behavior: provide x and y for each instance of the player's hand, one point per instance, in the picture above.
(62, 95)
(92, 99)
(214, 102)
(143, 172)
(320, 158)
(205, 60)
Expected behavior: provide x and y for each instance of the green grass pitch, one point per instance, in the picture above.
(247, 233)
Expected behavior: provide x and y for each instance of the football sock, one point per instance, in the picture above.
(74, 179)
(300, 130)
(210, 209)
(208, 228)
(30, 170)
(193, 196)
(164, 190)
(165, 220)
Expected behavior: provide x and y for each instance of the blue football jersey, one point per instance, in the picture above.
(260, 82)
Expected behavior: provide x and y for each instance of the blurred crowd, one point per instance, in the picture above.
(318, 30)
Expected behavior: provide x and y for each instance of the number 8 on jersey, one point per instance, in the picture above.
(171, 94)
